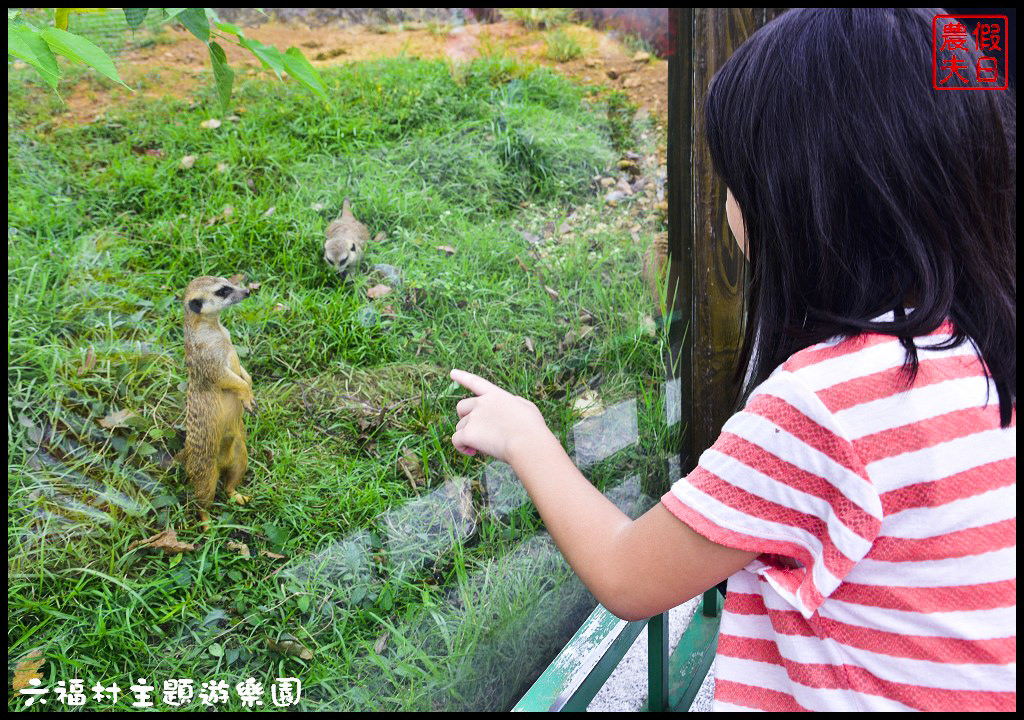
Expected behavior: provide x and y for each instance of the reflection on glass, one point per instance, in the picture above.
(672, 402)
(428, 527)
(600, 436)
(343, 567)
(504, 491)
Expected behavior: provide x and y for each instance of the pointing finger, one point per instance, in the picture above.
(474, 383)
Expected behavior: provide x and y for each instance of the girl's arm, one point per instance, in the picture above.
(635, 568)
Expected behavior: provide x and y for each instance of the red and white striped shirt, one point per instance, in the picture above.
(887, 522)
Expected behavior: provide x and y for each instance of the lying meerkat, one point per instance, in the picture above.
(218, 389)
(345, 243)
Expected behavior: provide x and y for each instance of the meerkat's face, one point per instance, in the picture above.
(341, 253)
(210, 295)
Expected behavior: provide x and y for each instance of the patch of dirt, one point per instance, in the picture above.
(179, 64)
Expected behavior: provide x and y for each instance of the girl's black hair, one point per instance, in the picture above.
(865, 190)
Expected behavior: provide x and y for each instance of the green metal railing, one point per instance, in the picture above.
(583, 666)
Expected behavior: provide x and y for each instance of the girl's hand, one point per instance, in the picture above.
(495, 422)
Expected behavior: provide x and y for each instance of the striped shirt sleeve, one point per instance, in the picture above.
(783, 480)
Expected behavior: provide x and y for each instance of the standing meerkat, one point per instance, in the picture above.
(346, 242)
(218, 389)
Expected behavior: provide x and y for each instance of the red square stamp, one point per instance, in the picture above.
(966, 52)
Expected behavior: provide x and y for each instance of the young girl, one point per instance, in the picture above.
(862, 504)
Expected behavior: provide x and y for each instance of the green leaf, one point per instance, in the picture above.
(216, 650)
(223, 74)
(299, 68)
(146, 449)
(229, 28)
(60, 17)
(266, 54)
(163, 501)
(278, 535)
(194, 20)
(135, 16)
(214, 616)
(80, 50)
(303, 603)
(24, 42)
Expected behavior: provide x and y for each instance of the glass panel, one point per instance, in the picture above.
(511, 174)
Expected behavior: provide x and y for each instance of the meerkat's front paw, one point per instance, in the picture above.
(239, 498)
(249, 402)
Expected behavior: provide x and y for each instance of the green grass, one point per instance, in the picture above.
(538, 18)
(105, 231)
(561, 46)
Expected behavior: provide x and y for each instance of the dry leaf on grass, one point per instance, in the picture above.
(446, 249)
(290, 646)
(224, 216)
(410, 465)
(90, 361)
(272, 555)
(237, 279)
(187, 162)
(588, 404)
(382, 641)
(116, 419)
(242, 548)
(211, 124)
(378, 291)
(28, 669)
(166, 541)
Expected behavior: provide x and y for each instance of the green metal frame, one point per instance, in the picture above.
(583, 666)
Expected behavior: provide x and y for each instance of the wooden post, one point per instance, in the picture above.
(706, 267)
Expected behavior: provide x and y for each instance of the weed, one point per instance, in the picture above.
(538, 18)
(561, 46)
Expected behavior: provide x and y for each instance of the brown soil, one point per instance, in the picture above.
(179, 64)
